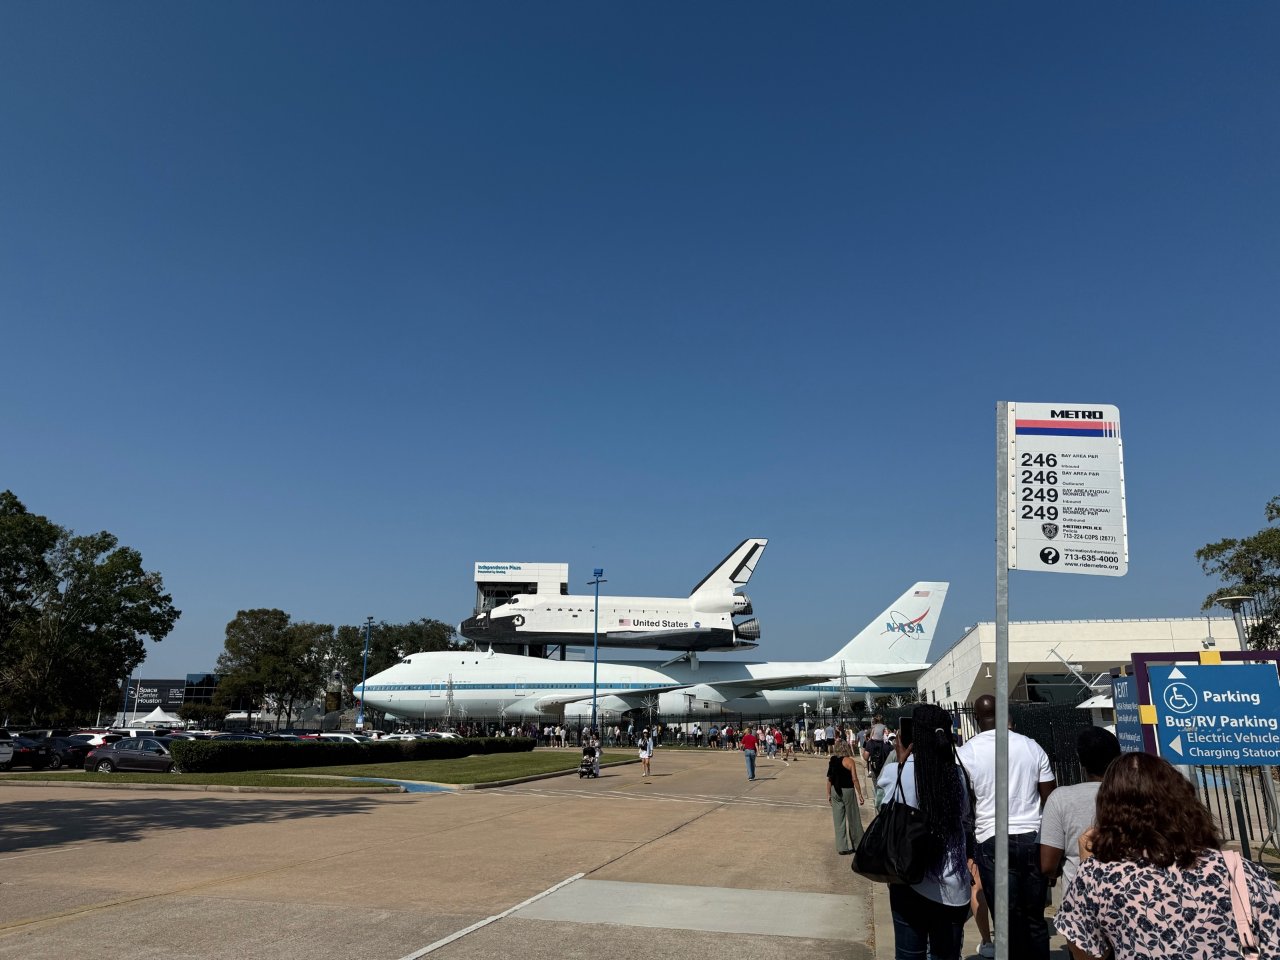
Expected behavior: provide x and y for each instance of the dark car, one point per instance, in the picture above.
(139, 754)
(45, 733)
(238, 736)
(21, 752)
(66, 752)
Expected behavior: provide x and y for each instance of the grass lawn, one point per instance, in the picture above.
(477, 769)
(247, 779)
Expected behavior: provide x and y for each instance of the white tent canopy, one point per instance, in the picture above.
(156, 716)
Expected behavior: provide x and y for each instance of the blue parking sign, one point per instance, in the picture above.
(1224, 714)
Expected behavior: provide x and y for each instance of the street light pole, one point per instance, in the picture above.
(364, 676)
(598, 572)
(1234, 604)
(1237, 787)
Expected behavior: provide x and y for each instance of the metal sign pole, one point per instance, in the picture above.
(1000, 908)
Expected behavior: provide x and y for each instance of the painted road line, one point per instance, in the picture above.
(488, 920)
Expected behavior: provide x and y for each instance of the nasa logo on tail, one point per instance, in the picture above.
(900, 623)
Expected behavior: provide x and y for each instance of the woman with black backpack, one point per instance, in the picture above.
(929, 916)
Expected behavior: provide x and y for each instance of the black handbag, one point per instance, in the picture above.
(896, 847)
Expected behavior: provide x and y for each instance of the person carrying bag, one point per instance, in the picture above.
(917, 843)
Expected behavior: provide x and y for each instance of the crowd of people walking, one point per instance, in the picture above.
(1138, 860)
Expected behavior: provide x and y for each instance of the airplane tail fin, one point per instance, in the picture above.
(733, 571)
(903, 633)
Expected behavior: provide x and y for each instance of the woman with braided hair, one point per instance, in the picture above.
(929, 916)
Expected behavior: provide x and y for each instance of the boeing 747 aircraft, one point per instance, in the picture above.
(698, 623)
(884, 658)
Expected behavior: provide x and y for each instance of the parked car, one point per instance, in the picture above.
(66, 752)
(45, 732)
(140, 754)
(95, 739)
(238, 736)
(346, 737)
(23, 752)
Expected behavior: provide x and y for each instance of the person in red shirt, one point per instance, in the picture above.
(749, 751)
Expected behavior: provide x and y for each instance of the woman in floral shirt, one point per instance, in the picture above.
(1157, 886)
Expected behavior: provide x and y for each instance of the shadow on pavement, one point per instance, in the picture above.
(30, 825)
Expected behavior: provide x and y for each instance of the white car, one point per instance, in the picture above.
(345, 737)
(96, 739)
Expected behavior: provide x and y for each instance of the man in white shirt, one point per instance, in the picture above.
(1031, 781)
(1070, 811)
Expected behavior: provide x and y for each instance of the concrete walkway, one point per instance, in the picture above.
(693, 860)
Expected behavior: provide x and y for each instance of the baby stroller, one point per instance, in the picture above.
(590, 765)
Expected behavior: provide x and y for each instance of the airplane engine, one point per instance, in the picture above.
(747, 630)
(741, 605)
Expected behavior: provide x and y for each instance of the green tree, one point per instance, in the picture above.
(268, 658)
(73, 614)
(203, 713)
(1250, 567)
(389, 643)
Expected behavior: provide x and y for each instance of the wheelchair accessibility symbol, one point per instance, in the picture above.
(1180, 698)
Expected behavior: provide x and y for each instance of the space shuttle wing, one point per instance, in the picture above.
(700, 639)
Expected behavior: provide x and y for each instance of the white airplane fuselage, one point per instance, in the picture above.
(496, 684)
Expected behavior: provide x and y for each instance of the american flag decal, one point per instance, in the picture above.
(624, 623)
(921, 593)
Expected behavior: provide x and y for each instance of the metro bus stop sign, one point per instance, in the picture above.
(1221, 715)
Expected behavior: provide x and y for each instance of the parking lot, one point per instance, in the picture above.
(694, 859)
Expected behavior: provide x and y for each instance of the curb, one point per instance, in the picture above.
(530, 779)
(203, 787)
(370, 788)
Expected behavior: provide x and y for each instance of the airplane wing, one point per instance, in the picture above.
(899, 678)
(735, 689)
(635, 696)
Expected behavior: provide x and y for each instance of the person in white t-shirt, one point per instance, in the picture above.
(1031, 781)
(1070, 811)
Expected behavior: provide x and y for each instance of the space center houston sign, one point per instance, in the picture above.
(1066, 489)
(143, 696)
(1225, 714)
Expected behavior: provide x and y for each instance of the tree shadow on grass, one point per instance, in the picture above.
(30, 825)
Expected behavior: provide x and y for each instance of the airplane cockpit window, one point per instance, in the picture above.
(514, 600)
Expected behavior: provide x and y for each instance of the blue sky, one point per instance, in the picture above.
(316, 304)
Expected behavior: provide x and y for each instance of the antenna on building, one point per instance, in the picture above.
(1075, 669)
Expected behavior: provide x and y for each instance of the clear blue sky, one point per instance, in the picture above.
(316, 304)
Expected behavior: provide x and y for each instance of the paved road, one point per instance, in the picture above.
(692, 859)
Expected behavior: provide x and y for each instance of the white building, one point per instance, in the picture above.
(497, 581)
(966, 670)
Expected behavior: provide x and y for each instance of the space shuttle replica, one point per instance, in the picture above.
(702, 622)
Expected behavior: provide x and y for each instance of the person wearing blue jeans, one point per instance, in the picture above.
(1028, 928)
(749, 752)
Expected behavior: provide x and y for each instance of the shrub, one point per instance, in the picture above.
(233, 756)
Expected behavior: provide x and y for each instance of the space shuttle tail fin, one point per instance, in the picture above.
(733, 571)
(903, 633)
